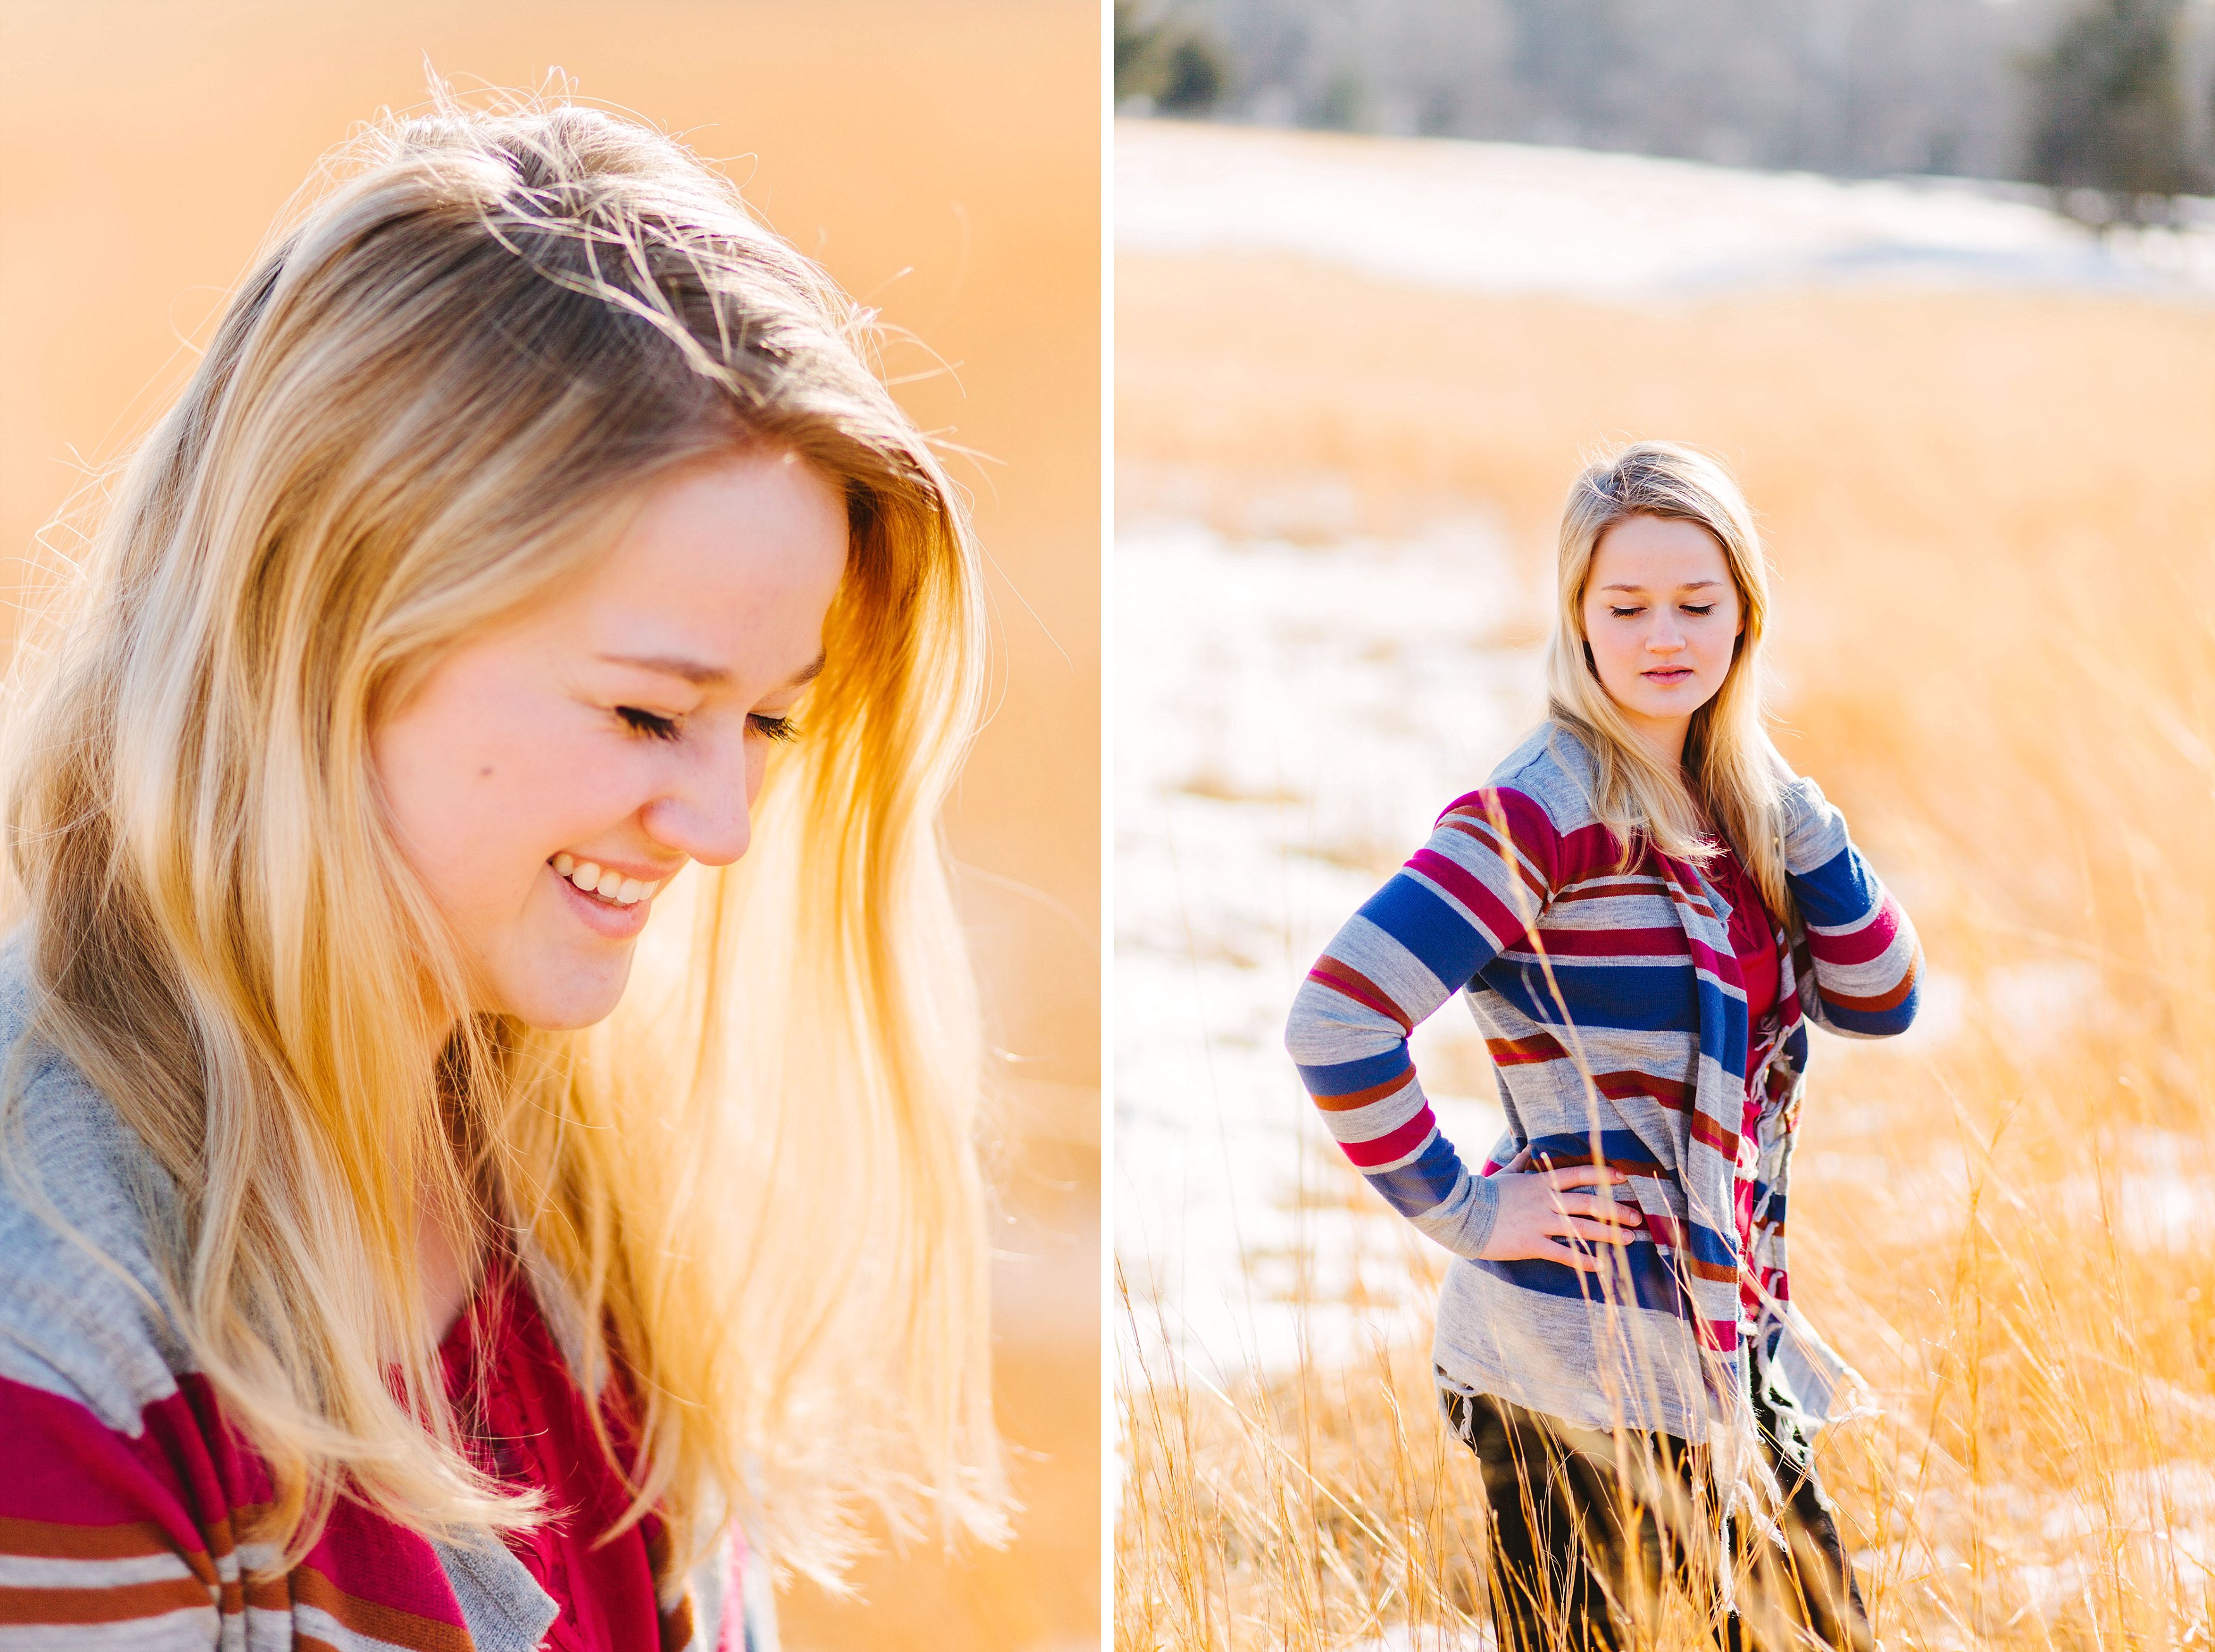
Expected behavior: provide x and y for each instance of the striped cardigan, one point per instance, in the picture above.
(123, 1490)
(1612, 1006)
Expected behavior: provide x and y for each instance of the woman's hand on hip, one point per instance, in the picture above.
(1558, 1215)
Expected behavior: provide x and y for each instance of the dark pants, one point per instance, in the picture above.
(1587, 1525)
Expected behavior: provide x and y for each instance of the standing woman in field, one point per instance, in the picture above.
(375, 1270)
(1646, 908)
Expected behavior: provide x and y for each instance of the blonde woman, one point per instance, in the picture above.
(375, 1268)
(1646, 909)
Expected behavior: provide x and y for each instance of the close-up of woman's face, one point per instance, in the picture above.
(1662, 616)
(614, 733)
(417, 565)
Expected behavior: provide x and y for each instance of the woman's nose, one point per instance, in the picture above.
(710, 816)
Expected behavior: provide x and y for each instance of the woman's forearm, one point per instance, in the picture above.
(1415, 943)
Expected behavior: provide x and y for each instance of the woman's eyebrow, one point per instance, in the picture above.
(704, 676)
(1640, 590)
(690, 671)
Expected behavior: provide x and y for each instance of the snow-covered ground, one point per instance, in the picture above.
(1515, 217)
(1290, 722)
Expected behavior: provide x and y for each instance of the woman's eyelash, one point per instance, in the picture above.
(661, 728)
(645, 723)
(1702, 612)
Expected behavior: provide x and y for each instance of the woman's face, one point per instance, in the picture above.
(614, 732)
(1662, 616)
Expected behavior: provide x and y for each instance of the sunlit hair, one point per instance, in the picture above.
(438, 398)
(1727, 773)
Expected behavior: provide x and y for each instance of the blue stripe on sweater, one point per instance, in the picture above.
(1344, 1078)
(1837, 893)
(1420, 1186)
(1708, 1246)
(1874, 1023)
(1648, 998)
(1652, 1282)
(1616, 1146)
(1731, 1052)
(1442, 939)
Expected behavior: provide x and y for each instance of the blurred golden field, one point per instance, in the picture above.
(1993, 522)
(943, 161)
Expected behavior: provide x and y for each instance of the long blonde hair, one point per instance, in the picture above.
(1727, 777)
(752, 1192)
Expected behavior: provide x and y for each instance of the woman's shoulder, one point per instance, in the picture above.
(80, 1317)
(1552, 769)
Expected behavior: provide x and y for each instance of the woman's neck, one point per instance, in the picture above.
(447, 1282)
(1664, 737)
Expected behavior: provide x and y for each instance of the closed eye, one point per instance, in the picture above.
(645, 723)
(1702, 612)
(776, 728)
(1626, 613)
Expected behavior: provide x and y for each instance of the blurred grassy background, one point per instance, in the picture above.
(1993, 520)
(943, 161)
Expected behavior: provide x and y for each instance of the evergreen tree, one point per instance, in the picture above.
(2109, 112)
(1177, 67)
(1192, 79)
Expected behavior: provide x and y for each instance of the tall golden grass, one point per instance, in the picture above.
(1993, 520)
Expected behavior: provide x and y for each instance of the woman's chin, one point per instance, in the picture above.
(558, 995)
(1649, 702)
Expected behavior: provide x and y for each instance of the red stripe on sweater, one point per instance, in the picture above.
(1863, 945)
(1501, 925)
(1497, 846)
(1393, 1145)
(1612, 944)
(1342, 978)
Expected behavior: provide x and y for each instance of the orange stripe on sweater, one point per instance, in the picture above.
(1891, 1000)
(59, 1540)
(392, 1623)
(120, 1603)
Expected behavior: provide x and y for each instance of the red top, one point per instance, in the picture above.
(1753, 940)
(529, 1427)
(1753, 936)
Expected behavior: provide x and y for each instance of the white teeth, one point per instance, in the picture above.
(609, 885)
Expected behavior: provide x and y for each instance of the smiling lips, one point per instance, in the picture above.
(607, 884)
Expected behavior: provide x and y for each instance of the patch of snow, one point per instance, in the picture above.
(1290, 722)
(1516, 217)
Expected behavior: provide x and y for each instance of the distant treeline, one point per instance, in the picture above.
(2112, 101)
